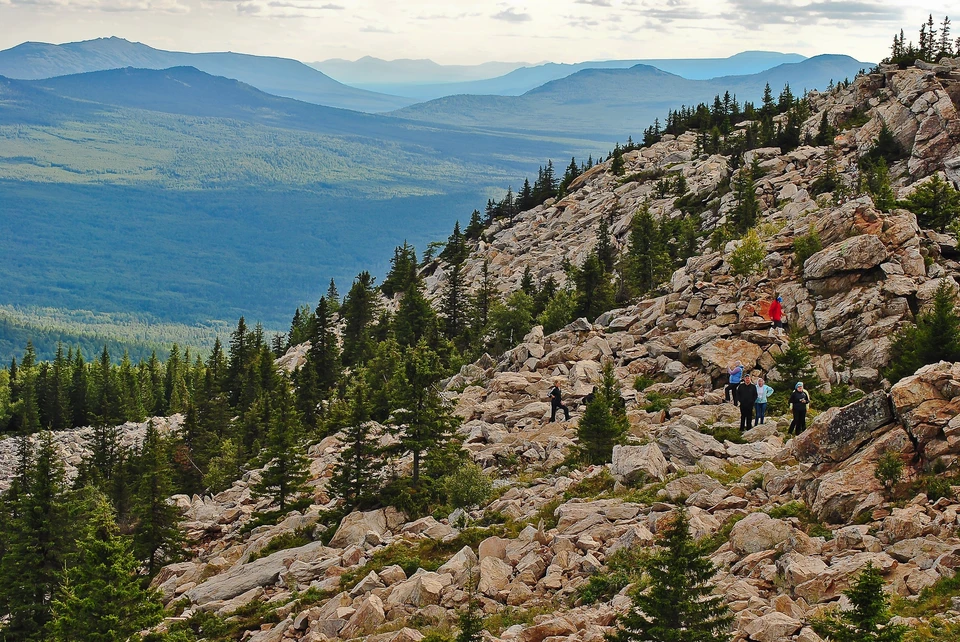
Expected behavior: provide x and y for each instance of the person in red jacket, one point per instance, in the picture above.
(776, 315)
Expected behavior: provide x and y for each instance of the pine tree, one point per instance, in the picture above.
(240, 355)
(333, 297)
(605, 251)
(36, 538)
(156, 535)
(746, 212)
(415, 319)
(647, 253)
(679, 605)
(403, 270)
(935, 337)
(604, 423)
(454, 306)
(359, 310)
(936, 204)
(475, 228)
(355, 478)
(286, 466)
(421, 421)
(101, 597)
(455, 251)
(796, 364)
(869, 619)
(595, 293)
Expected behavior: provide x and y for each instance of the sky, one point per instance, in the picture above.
(458, 32)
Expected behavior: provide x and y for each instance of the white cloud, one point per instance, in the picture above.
(512, 15)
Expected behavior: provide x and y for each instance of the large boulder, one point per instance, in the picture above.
(633, 463)
(688, 445)
(354, 527)
(494, 576)
(720, 353)
(758, 532)
(839, 432)
(772, 627)
(858, 253)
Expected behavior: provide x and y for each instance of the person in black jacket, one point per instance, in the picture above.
(799, 401)
(746, 394)
(556, 404)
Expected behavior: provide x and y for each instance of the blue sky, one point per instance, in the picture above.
(457, 32)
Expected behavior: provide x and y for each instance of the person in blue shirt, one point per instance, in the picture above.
(763, 391)
(736, 374)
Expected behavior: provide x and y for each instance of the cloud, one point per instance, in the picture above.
(447, 16)
(376, 29)
(305, 6)
(107, 6)
(668, 11)
(753, 13)
(595, 3)
(511, 15)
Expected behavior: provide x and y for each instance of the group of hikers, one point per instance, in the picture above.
(753, 396)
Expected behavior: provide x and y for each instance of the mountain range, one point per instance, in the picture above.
(612, 103)
(280, 76)
(195, 197)
(523, 79)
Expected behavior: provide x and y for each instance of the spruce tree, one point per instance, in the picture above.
(746, 212)
(475, 227)
(595, 294)
(796, 364)
(453, 307)
(156, 536)
(648, 258)
(403, 270)
(101, 598)
(359, 310)
(605, 251)
(935, 337)
(415, 319)
(680, 604)
(422, 421)
(359, 462)
(36, 538)
(286, 465)
(869, 619)
(936, 204)
(333, 297)
(604, 423)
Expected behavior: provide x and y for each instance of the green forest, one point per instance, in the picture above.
(241, 412)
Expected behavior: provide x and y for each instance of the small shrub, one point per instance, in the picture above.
(642, 382)
(840, 395)
(937, 487)
(724, 433)
(294, 539)
(889, 470)
(806, 246)
(623, 568)
(468, 486)
(748, 258)
(657, 401)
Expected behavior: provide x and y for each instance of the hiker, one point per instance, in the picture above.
(589, 397)
(799, 401)
(763, 392)
(746, 394)
(556, 404)
(776, 315)
(736, 373)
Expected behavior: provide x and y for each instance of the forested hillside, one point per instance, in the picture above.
(526, 432)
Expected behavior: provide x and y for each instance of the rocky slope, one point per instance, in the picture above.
(791, 519)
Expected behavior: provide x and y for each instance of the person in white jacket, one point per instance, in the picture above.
(763, 392)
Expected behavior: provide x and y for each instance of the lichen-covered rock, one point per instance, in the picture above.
(838, 432)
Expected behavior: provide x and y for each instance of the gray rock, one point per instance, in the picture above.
(839, 432)
(633, 463)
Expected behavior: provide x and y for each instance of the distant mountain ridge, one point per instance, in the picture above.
(280, 76)
(618, 102)
(371, 70)
(522, 80)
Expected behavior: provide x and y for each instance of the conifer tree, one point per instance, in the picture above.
(475, 227)
(647, 253)
(509, 321)
(869, 619)
(101, 597)
(595, 293)
(286, 466)
(935, 337)
(604, 423)
(333, 297)
(359, 310)
(746, 212)
(403, 270)
(796, 364)
(415, 319)
(605, 251)
(36, 538)
(936, 204)
(422, 421)
(156, 536)
(359, 462)
(679, 605)
(240, 355)
(454, 305)
(60, 411)
(456, 250)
